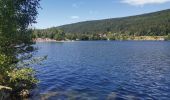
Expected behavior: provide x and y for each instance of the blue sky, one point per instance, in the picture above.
(60, 12)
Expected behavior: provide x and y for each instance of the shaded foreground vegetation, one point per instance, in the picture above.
(128, 28)
(16, 75)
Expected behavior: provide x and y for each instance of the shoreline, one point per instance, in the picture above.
(44, 40)
(138, 38)
(51, 40)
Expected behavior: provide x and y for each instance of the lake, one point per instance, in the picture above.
(105, 70)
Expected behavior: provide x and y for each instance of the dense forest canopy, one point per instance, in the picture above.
(151, 24)
(156, 23)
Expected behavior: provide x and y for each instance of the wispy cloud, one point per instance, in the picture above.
(74, 17)
(144, 2)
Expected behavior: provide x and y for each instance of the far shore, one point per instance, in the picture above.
(137, 38)
(50, 40)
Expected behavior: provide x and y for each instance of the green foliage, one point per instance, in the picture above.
(52, 34)
(70, 36)
(5, 65)
(22, 75)
(16, 42)
(59, 36)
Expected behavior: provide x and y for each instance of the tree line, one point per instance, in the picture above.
(151, 24)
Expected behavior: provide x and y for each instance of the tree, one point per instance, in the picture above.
(15, 42)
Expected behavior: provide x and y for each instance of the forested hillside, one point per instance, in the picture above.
(157, 23)
(151, 24)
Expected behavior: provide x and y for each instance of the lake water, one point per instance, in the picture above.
(103, 70)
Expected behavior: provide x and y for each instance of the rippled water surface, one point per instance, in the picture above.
(102, 70)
